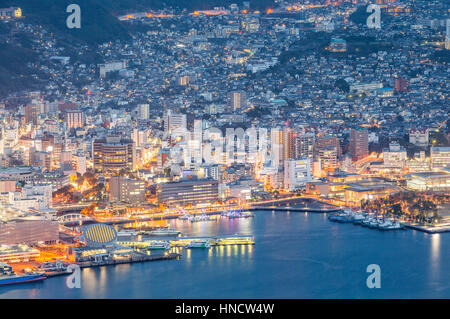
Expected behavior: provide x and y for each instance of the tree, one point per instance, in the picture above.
(342, 85)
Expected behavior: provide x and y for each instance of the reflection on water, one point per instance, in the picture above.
(435, 247)
(295, 255)
(435, 254)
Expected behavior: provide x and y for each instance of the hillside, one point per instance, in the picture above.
(99, 24)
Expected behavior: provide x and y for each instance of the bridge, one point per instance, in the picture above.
(69, 231)
(73, 219)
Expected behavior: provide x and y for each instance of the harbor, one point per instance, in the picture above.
(283, 243)
(187, 241)
(135, 258)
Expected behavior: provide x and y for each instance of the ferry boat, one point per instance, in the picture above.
(159, 245)
(127, 233)
(358, 218)
(199, 218)
(238, 214)
(163, 232)
(8, 276)
(182, 214)
(199, 244)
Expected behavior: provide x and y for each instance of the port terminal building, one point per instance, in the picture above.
(100, 244)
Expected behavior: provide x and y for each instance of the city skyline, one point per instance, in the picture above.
(247, 134)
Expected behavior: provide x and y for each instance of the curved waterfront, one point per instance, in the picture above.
(296, 255)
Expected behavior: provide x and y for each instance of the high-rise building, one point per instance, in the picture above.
(440, 157)
(401, 85)
(79, 163)
(359, 144)
(125, 189)
(328, 141)
(289, 143)
(74, 119)
(447, 34)
(140, 136)
(304, 145)
(113, 153)
(297, 172)
(143, 111)
(31, 112)
(276, 147)
(328, 156)
(174, 121)
(236, 100)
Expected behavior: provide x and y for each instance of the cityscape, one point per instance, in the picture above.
(224, 149)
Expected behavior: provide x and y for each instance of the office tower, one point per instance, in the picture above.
(359, 144)
(236, 100)
(328, 156)
(79, 163)
(143, 111)
(304, 145)
(31, 112)
(188, 192)
(113, 153)
(74, 119)
(328, 141)
(55, 154)
(196, 142)
(174, 121)
(125, 189)
(140, 137)
(297, 172)
(401, 85)
(289, 143)
(276, 147)
(447, 34)
(440, 157)
(213, 172)
(66, 160)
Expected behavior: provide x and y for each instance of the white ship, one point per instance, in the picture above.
(159, 245)
(199, 244)
(163, 232)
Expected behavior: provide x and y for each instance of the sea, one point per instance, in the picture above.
(296, 255)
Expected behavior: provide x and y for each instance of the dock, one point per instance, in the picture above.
(429, 229)
(133, 259)
(296, 209)
(185, 241)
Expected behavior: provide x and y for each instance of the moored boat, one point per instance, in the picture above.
(163, 232)
(8, 276)
(199, 244)
(159, 245)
